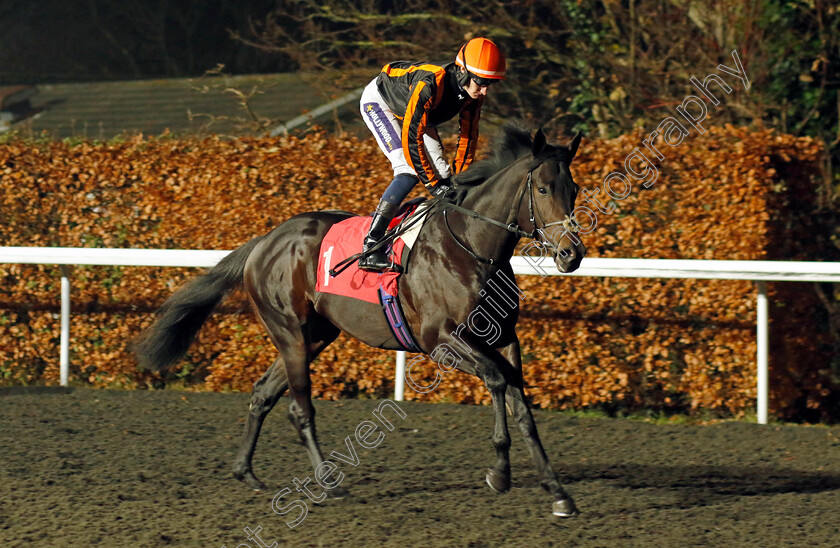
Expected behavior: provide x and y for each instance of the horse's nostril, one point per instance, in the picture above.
(566, 255)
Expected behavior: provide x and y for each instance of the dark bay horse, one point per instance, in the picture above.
(525, 187)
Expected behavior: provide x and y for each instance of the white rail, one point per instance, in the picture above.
(759, 271)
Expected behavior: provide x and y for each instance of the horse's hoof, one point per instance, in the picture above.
(499, 483)
(564, 508)
(249, 479)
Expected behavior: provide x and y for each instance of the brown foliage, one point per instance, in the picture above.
(633, 343)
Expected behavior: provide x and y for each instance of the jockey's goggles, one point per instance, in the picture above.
(483, 82)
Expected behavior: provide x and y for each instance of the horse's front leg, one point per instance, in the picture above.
(498, 475)
(563, 505)
(477, 358)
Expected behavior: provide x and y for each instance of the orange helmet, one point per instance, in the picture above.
(483, 60)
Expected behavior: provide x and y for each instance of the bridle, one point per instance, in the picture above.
(511, 225)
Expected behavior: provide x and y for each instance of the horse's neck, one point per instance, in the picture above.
(497, 198)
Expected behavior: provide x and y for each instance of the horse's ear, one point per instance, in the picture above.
(539, 142)
(573, 146)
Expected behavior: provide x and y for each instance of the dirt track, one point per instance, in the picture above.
(110, 468)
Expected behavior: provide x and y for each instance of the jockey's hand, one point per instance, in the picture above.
(444, 191)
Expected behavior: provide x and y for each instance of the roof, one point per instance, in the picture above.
(103, 110)
(13, 95)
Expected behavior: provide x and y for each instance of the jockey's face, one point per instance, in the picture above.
(473, 89)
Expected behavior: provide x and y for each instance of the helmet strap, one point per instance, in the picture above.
(462, 74)
(463, 78)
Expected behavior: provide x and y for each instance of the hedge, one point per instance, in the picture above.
(615, 343)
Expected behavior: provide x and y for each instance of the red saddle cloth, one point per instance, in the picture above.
(343, 240)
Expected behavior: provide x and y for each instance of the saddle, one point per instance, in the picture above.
(344, 240)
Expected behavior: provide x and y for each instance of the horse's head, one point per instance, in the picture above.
(551, 202)
(529, 180)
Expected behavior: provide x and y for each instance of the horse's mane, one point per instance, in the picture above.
(513, 143)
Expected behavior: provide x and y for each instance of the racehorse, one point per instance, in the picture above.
(524, 188)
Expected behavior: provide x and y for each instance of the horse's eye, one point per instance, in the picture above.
(542, 190)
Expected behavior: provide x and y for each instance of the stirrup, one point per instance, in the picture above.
(378, 261)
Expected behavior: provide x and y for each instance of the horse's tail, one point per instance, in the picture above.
(182, 315)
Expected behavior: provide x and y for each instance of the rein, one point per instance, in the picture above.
(513, 227)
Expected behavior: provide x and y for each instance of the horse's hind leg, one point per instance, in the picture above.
(267, 391)
(563, 505)
(317, 332)
(299, 342)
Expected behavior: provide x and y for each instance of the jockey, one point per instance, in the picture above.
(402, 107)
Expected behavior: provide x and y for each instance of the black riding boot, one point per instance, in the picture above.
(378, 260)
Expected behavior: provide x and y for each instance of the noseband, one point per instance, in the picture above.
(511, 225)
(566, 223)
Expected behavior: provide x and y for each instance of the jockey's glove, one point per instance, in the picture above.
(444, 191)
